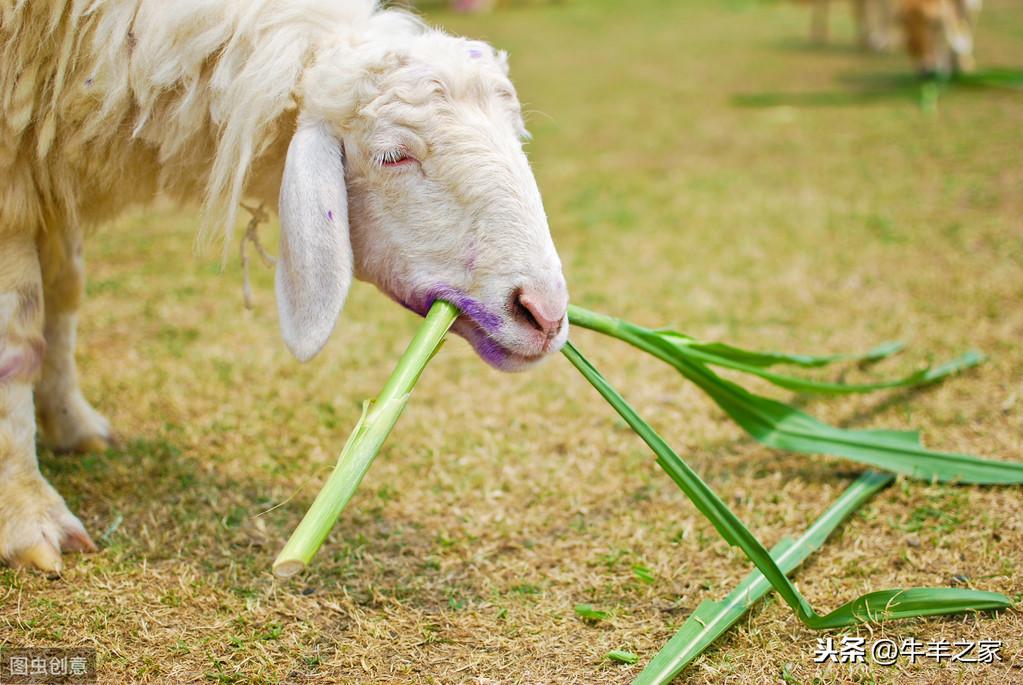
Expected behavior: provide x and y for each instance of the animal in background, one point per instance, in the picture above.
(875, 22)
(939, 34)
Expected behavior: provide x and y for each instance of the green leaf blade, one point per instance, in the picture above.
(621, 656)
(806, 385)
(768, 359)
(911, 602)
(888, 605)
(588, 612)
(781, 426)
(712, 619)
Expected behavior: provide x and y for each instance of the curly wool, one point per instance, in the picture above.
(108, 102)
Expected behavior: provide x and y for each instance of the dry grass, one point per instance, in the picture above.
(501, 501)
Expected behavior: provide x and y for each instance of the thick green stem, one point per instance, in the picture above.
(378, 418)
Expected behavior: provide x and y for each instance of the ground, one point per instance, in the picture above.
(690, 181)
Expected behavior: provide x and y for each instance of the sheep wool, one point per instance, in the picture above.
(392, 152)
(108, 102)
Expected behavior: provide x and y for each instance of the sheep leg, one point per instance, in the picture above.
(879, 16)
(939, 57)
(819, 22)
(960, 17)
(67, 421)
(862, 21)
(35, 524)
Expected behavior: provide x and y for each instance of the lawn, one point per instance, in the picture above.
(703, 168)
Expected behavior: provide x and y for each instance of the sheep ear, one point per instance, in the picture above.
(314, 271)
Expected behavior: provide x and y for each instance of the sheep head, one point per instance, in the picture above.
(407, 170)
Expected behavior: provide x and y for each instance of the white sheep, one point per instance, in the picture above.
(393, 152)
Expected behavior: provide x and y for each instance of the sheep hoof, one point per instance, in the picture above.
(33, 538)
(91, 445)
(41, 556)
(75, 427)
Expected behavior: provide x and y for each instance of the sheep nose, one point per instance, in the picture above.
(542, 312)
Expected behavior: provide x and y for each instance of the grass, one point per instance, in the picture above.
(876, 607)
(782, 426)
(375, 424)
(712, 618)
(482, 524)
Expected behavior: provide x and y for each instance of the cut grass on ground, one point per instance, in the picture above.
(502, 502)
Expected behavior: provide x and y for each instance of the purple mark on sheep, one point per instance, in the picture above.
(475, 53)
(491, 351)
(486, 322)
(330, 215)
(21, 364)
(10, 367)
(469, 306)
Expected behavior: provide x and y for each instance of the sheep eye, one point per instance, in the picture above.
(394, 158)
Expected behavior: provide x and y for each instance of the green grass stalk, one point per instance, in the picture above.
(782, 426)
(873, 607)
(713, 618)
(378, 418)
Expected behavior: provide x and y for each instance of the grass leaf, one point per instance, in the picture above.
(378, 418)
(784, 427)
(711, 619)
(588, 613)
(700, 353)
(759, 363)
(993, 77)
(728, 352)
(643, 573)
(875, 606)
(621, 656)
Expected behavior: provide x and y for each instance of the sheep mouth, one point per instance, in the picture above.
(479, 325)
(493, 351)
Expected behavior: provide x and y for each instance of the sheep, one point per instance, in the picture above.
(874, 22)
(939, 34)
(393, 153)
